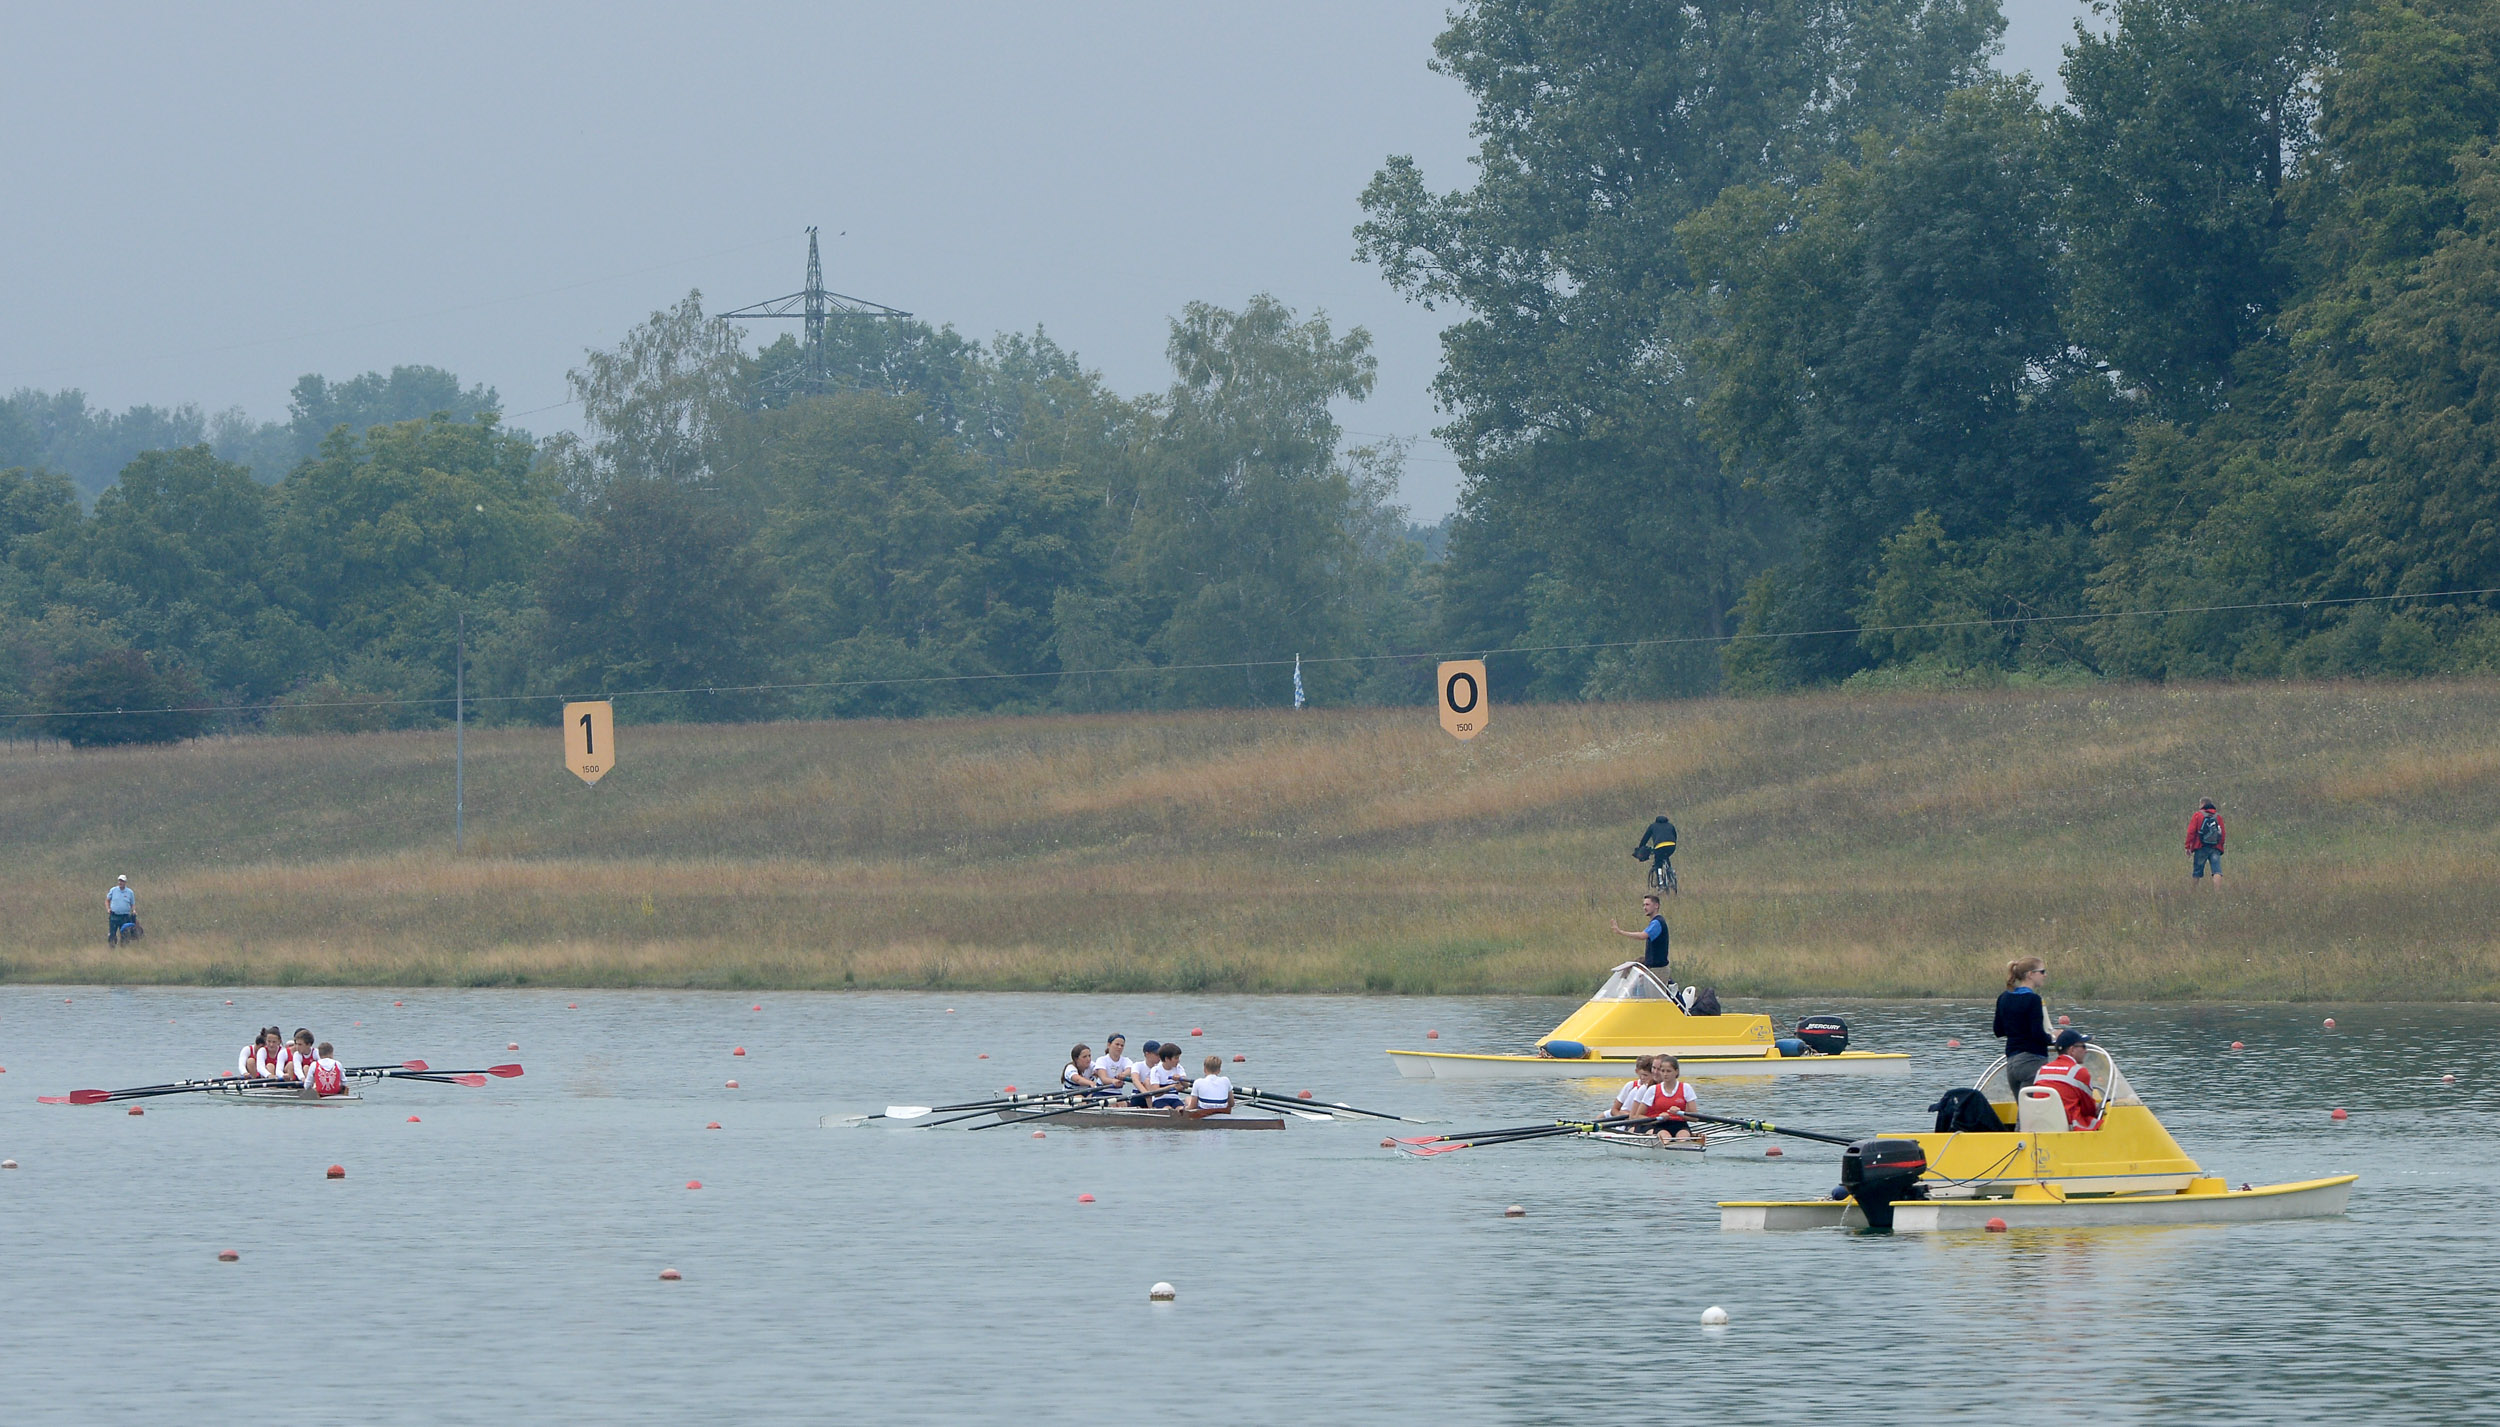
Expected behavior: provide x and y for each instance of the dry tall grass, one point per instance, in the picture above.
(1894, 844)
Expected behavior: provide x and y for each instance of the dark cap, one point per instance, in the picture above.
(2067, 1040)
(1151, 1047)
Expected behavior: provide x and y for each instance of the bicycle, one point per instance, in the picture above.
(1662, 876)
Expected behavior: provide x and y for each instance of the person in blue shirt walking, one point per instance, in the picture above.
(121, 908)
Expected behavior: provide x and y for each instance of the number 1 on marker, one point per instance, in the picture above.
(589, 740)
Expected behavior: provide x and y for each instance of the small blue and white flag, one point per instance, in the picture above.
(1297, 681)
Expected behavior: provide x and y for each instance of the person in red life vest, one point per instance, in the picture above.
(324, 1076)
(2065, 1074)
(2205, 837)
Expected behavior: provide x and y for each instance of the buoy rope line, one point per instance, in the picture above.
(1235, 665)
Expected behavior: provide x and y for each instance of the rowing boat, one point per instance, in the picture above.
(1121, 1117)
(1634, 1014)
(1641, 1144)
(276, 1095)
(2036, 1171)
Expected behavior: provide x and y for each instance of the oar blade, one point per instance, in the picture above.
(414, 1065)
(905, 1112)
(54, 1100)
(472, 1081)
(88, 1097)
(503, 1072)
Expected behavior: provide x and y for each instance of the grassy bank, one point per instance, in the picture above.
(1885, 845)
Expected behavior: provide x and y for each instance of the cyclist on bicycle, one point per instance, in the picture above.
(121, 908)
(1657, 848)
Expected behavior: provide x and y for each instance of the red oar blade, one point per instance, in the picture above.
(88, 1097)
(472, 1081)
(503, 1072)
(1422, 1151)
(414, 1065)
(52, 1100)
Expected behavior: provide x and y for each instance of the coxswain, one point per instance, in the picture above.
(323, 1075)
(2066, 1074)
(1209, 1094)
(1078, 1073)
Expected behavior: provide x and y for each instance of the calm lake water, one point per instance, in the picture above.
(498, 1262)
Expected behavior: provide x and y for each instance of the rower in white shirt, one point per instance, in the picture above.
(1113, 1068)
(1161, 1075)
(1209, 1094)
(1633, 1098)
(1078, 1073)
(259, 1059)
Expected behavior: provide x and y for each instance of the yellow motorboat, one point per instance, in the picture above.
(1634, 1014)
(2036, 1171)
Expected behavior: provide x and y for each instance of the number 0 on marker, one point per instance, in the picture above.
(1465, 709)
(589, 740)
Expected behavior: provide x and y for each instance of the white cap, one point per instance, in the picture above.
(123, 878)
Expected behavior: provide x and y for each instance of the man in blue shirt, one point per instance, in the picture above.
(1653, 936)
(121, 907)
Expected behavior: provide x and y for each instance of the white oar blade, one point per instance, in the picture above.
(907, 1112)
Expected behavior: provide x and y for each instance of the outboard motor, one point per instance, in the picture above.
(1824, 1035)
(1879, 1174)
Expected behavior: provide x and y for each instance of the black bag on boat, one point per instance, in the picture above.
(1966, 1111)
(1705, 1002)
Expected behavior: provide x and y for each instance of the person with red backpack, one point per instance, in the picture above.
(2205, 835)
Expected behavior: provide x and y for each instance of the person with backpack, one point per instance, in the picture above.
(2205, 835)
(1657, 848)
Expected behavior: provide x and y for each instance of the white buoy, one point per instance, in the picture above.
(1161, 1293)
(1713, 1316)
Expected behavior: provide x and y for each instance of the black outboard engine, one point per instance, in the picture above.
(1824, 1035)
(1880, 1173)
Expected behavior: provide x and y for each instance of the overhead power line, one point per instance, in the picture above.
(1416, 656)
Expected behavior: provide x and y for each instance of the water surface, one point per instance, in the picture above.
(497, 1262)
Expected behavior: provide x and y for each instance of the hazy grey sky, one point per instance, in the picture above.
(208, 201)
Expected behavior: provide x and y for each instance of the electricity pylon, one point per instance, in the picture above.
(812, 305)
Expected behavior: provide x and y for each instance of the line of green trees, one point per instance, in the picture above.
(898, 522)
(1782, 316)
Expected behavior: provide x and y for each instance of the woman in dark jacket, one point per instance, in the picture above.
(2023, 1019)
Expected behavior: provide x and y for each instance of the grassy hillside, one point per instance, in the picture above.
(1886, 844)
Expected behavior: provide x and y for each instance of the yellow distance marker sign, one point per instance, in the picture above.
(589, 740)
(1464, 707)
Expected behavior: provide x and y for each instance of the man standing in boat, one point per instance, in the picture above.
(1653, 938)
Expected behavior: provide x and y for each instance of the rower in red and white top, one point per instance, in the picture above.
(1633, 1098)
(1671, 1098)
(247, 1061)
(299, 1054)
(324, 1076)
(1209, 1094)
(264, 1060)
(2066, 1074)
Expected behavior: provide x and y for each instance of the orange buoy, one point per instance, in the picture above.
(2065, 1020)
(1040, 1135)
(731, 1085)
(670, 1275)
(1197, 1030)
(694, 1184)
(1085, 1199)
(1952, 1045)
(1302, 1095)
(2338, 1114)
(1774, 1152)
(739, 1051)
(1007, 1090)
(1239, 1059)
(714, 1125)
(228, 1256)
(2330, 1023)
(985, 1055)
(135, 1110)
(414, 1120)
(1432, 1035)
(572, 1005)
(755, 1008)
(1388, 1144)
(2235, 1045)
(399, 1003)
(336, 1171)
(1996, 1226)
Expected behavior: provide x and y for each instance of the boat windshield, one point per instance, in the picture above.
(1633, 982)
(2108, 1086)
